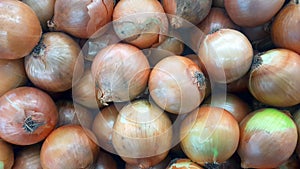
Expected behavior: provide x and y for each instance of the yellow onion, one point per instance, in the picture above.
(28, 157)
(268, 139)
(211, 138)
(81, 18)
(20, 29)
(183, 163)
(273, 78)
(6, 155)
(142, 134)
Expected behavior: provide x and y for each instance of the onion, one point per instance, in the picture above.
(20, 29)
(240, 85)
(69, 113)
(81, 18)
(220, 58)
(28, 158)
(177, 84)
(12, 73)
(183, 163)
(142, 134)
(105, 161)
(70, 147)
(272, 78)
(6, 155)
(103, 127)
(121, 73)
(140, 23)
(249, 13)
(27, 116)
(268, 139)
(193, 11)
(53, 62)
(162, 165)
(43, 9)
(285, 30)
(292, 163)
(233, 104)
(212, 137)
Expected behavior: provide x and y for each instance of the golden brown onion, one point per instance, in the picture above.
(81, 18)
(6, 155)
(20, 29)
(12, 73)
(28, 157)
(54, 62)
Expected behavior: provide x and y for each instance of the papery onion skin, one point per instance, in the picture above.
(285, 30)
(193, 11)
(177, 84)
(268, 139)
(272, 79)
(28, 158)
(12, 73)
(6, 155)
(220, 57)
(121, 73)
(27, 116)
(105, 161)
(20, 29)
(81, 18)
(249, 13)
(183, 163)
(138, 124)
(210, 138)
(70, 147)
(140, 23)
(54, 62)
(43, 9)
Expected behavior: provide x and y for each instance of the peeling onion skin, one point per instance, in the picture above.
(20, 29)
(121, 73)
(274, 78)
(81, 18)
(140, 23)
(193, 11)
(28, 157)
(27, 116)
(54, 62)
(70, 147)
(6, 155)
(268, 139)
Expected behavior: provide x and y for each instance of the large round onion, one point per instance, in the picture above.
(20, 29)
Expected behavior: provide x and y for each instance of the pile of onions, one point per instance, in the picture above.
(28, 157)
(226, 62)
(177, 84)
(210, 135)
(273, 78)
(142, 134)
(54, 61)
(81, 18)
(12, 73)
(27, 116)
(20, 29)
(268, 139)
(69, 146)
(140, 23)
(6, 155)
(120, 72)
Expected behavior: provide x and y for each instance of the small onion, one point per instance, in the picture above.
(193, 11)
(268, 139)
(142, 134)
(273, 78)
(28, 158)
(220, 58)
(212, 137)
(249, 13)
(120, 72)
(105, 161)
(140, 23)
(183, 163)
(12, 73)
(285, 30)
(20, 29)
(70, 147)
(43, 9)
(6, 155)
(54, 62)
(81, 18)
(177, 84)
(27, 116)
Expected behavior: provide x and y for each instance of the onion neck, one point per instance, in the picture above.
(212, 166)
(199, 79)
(31, 125)
(39, 49)
(257, 61)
